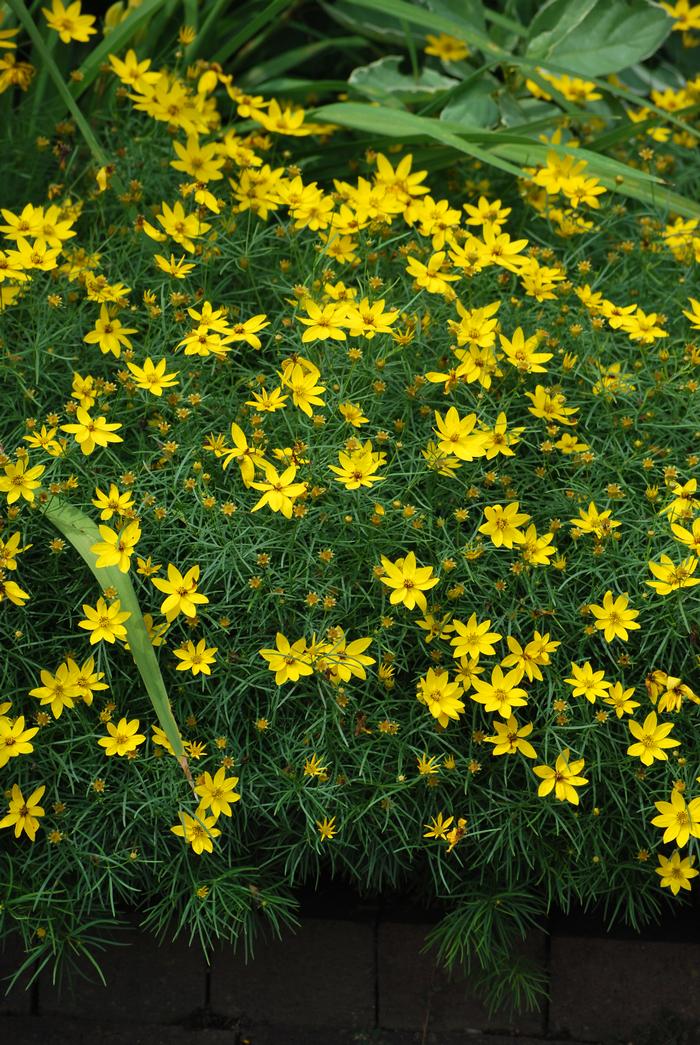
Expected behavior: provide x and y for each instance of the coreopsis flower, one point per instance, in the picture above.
(104, 622)
(86, 680)
(681, 820)
(563, 779)
(181, 592)
(181, 227)
(178, 268)
(440, 696)
(10, 549)
(314, 768)
(502, 524)
(675, 873)
(44, 440)
(217, 793)
(438, 827)
(473, 639)
(324, 322)
(651, 739)
(501, 693)
(90, 432)
(15, 739)
(358, 468)
(152, 377)
(69, 22)
(132, 72)
(202, 162)
(196, 658)
(408, 581)
(621, 699)
(289, 662)
(431, 277)
(689, 537)
(59, 691)
(672, 692)
(684, 503)
(510, 738)
(672, 577)
(457, 435)
(116, 549)
(327, 828)
(341, 660)
(585, 682)
(365, 320)
(301, 380)
(279, 491)
(20, 480)
(614, 618)
(590, 520)
(23, 814)
(526, 659)
(113, 502)
(522, 352)
(11, 590)
(248, 330)
(446, 47)
(199, 831)
(109, 334)
(123, 738)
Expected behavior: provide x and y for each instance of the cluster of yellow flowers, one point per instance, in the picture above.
(488, 362)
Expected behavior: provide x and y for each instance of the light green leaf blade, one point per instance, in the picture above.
(82, 533)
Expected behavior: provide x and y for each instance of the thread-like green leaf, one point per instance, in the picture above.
(82, 533)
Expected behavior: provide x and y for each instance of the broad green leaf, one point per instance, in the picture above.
(278, 64)
(432, 22)
(471, 11)
(374, 23)
(382, 81)
(614, 35)
(554, 21)
(82, 533)
(394, 123)
(472, 105)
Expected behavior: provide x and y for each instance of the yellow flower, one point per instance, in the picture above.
(116, 549)
(327, 828)
(651, 739)
(510, 738)
(198, 830)
(289, 662)
(279, 491)
(563, 779)
(408, 581)
(104, 622)
(152, 376)
(113, 502)
(68, 22)
(672, 577)
(20, 480)
(91, 432)
(217, 792)
(456, 435)
(438, 827)
(675, 873)
(586, 682)
(613, 618)
(501, 694)
(181, 592)
(357, 469)
(109, 333)
(196, 658)
(123, 738)
(621, 699)
(502, 524)
(680, 821)
(474, 639)
(59, 691)
(14, 739)
(446, 47)
(324, 323)
(23, 813)
(440, 696)
(522, 352)
(179, 269)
